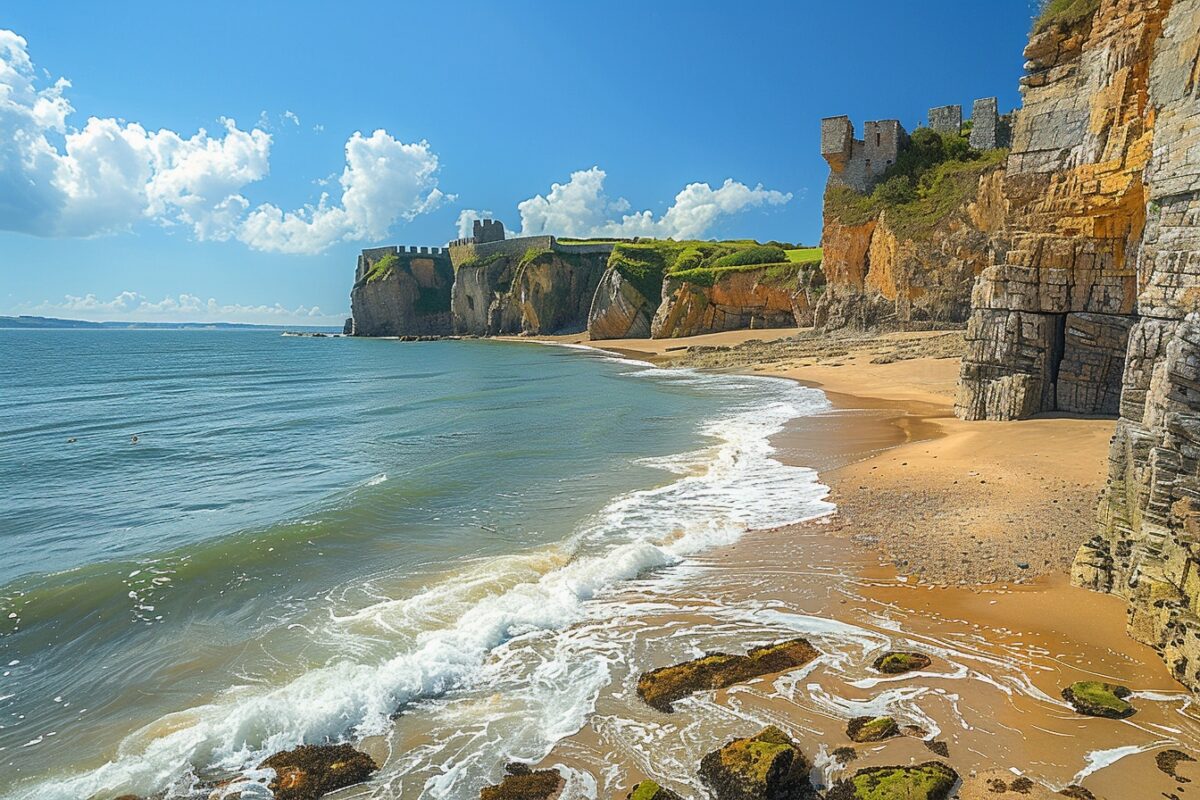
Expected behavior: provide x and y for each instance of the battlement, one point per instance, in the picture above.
(373, 255)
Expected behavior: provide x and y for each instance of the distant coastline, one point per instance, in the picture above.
(54, 323)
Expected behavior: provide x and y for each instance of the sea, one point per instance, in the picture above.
(216, 545)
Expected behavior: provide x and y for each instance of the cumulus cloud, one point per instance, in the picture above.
(57, 181)
(384, 181)
(130, 306)
(580, 207)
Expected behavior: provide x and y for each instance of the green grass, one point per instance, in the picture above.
(804, 255)
(645, 264)
(1066, 13)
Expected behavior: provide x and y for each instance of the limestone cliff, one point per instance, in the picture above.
(884, 271)
(401, 294)
(1050, 317)
(765, 297)
(1148, 546)
(619, 309)
(538, 292)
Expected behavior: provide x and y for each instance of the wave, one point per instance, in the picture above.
(447, 635)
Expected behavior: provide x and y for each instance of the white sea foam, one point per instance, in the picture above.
(722, 491)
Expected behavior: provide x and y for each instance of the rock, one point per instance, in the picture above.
(1169, 760)
(932, 780)
(998, 784)
(348, 327)
(844, 755)
(619, 310)
(897, 662)
(937, 747)
(735, 301)
(649, 790)
(871, 729)
(402, 294)
(768, 766)
(521, 782)
(312, 770)
(661, 687)
(1075, 792)
(1097, 699)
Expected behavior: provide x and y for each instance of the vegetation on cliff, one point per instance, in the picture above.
(1065, 13)
(934, 175)
(381, 268)
(646, 264)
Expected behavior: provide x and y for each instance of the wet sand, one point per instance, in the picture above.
(951, 538)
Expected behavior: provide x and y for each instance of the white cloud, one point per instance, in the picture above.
(384, 181)
(59, 181)
(580, 207)
(130, 306)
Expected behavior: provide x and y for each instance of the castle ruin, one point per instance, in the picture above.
(860, 163)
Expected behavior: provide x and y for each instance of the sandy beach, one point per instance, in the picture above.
(952, 538)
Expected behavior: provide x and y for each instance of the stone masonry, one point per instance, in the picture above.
(946, 119)
(858, 163)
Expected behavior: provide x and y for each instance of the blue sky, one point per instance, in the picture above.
(654, 118)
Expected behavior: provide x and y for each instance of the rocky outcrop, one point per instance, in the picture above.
(897, 662)
(619, 310)
(932, 780)
(1147, 548)
(1098, 699)
(1050, 317)
(539, 292)
(871, 729)
(311, 771)
(767, 297)
(881, 273)
(768, 766)
(408, 296)
(521, 782)
(660, 688)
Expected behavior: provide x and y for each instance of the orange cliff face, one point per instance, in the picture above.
(889, 275)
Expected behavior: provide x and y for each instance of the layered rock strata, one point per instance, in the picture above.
(1050, 317)
(734, 301)
(410, 296)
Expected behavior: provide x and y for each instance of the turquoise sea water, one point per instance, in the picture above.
(323, 539)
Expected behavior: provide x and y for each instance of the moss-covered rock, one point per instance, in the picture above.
(660, 688)
(871, 729)
(1098, 699)
(649, 790)
(520, 782)
(895, 662)
(932, 780)
(312, 770)
(768, 766)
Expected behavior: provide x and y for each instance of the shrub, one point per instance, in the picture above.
(895, 190)
(381, 268)
(759, 254)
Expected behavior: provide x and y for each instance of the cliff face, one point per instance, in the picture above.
(619, 310)
(1050, 321)
(1148, 546)
(884, 274)
(536, 293)
(410, 296)
(736, 300)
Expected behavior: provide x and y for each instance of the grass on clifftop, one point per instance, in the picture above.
(1066, 13)
(932, 177)
(645, 264)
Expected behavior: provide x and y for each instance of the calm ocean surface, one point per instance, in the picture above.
(318, 539)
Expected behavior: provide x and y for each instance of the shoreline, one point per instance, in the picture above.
(955, 528)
